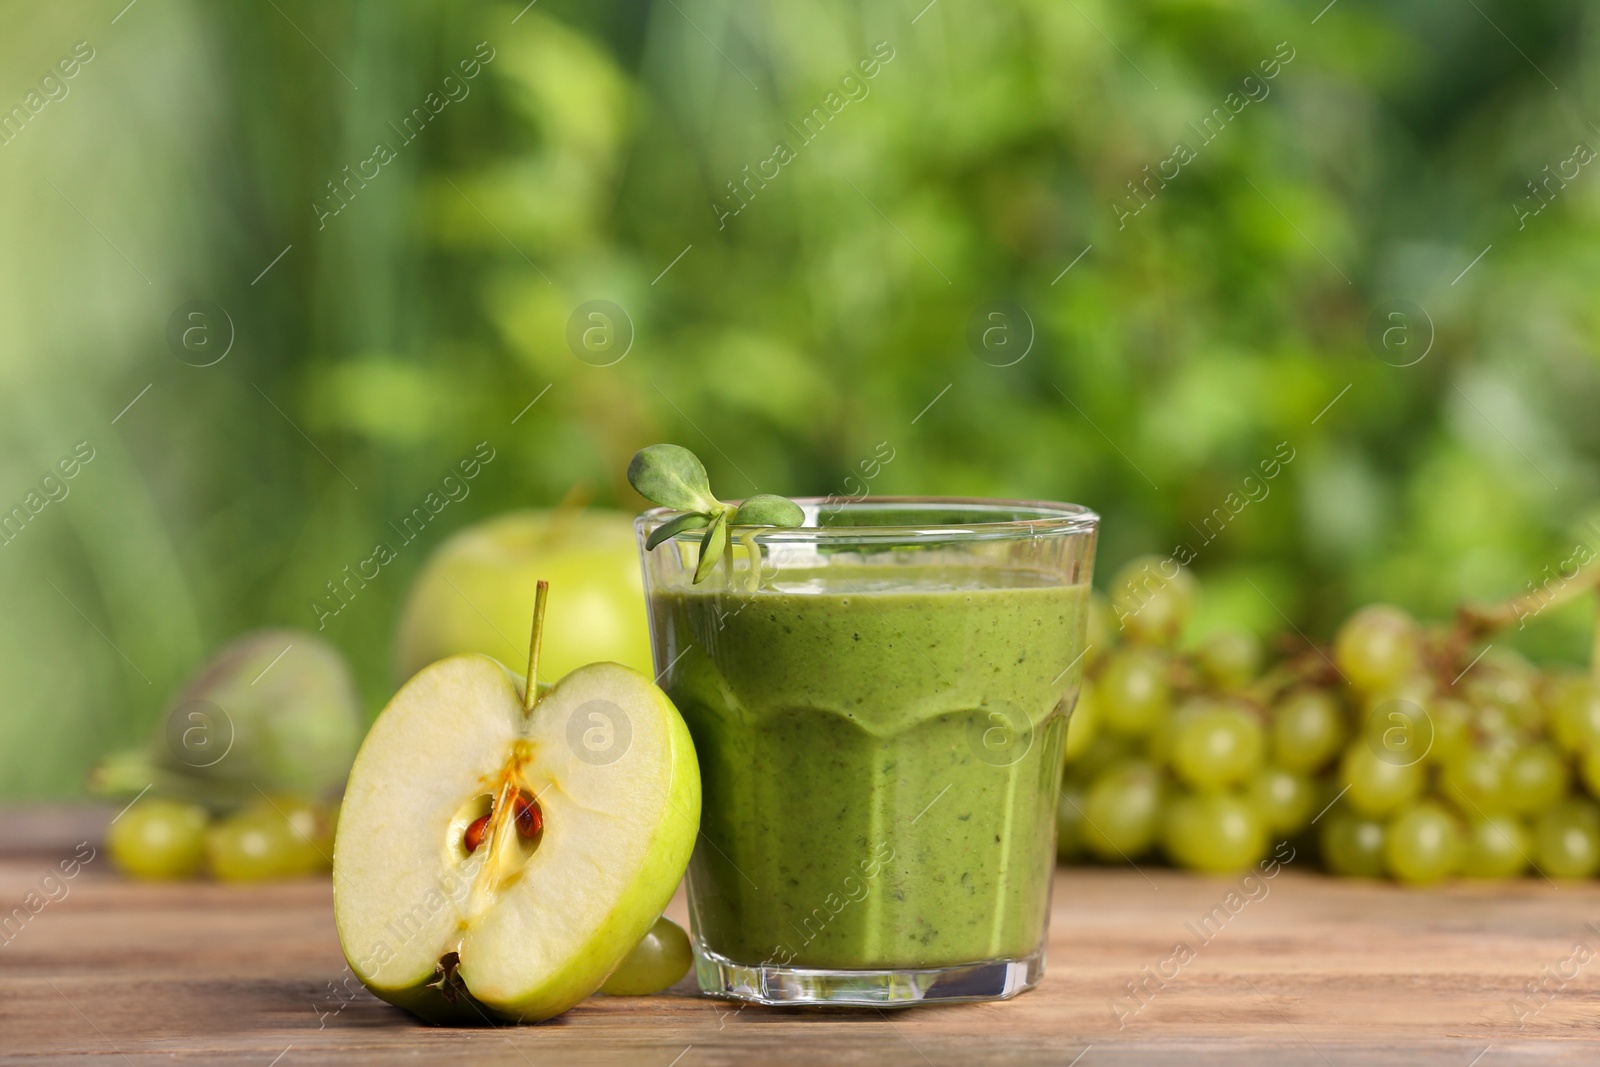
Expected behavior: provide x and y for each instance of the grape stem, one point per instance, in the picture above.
(1475, 622)
(1273, 684)
(1480, 621)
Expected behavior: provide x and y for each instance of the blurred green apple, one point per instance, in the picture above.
(274, 710)
(475, 593)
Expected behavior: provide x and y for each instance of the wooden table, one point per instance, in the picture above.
(1298, 969)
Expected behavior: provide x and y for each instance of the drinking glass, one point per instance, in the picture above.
(878, 701)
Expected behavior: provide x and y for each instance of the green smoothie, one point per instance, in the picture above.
(880, 748)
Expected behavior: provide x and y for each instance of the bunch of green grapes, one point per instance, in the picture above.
(279, 836)
(1465, 759)
(1172, 750)
(1402, 751)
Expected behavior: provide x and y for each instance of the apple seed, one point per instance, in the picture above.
(477, 830)
(528, 816)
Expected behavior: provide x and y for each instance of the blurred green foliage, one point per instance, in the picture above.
(590, 158)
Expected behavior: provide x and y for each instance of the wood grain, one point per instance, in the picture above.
(1303, 970)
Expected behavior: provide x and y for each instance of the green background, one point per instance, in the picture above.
(990, 153)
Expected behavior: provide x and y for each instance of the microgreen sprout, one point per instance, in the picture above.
(674, 477)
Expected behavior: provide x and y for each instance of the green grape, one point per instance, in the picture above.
(1575, 713)
(1072, 800)
(1493, 728)
(1378, 786)
(1555, 685)
(1452, 729)
(1591, 771)
(257, 845)
(1376, 647)
(1475, 782)
(1329, 792)
(1286, 800)
(1505, 679)
(1152, 598)
(1398, 728)
(1123, 811)
(1100, 754)
(1566, 840)
(1132, 694)
(1082, 725)
(159, 839)
(1099, 635)
(1527, 712)
(1413, 688)
(1352, 845)
(1307, 730)
(1423, 845)
(660, 958)
(311, 821)
(1158, 746)
(1535, 778)
(1216, 745)
(1214, 832)
(1496, 847)
(1229, 659)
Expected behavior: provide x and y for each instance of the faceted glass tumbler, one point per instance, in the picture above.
(878, 701)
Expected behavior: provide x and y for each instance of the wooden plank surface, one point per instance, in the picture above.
(1297, 969)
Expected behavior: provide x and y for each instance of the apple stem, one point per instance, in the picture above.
(530, 694)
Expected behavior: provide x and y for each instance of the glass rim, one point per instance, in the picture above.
(1048, 518)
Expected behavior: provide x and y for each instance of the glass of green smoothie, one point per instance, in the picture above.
(878, 699)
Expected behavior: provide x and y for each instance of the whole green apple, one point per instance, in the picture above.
(476, 591)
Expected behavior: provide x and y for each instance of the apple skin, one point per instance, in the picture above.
(475, 593)
(649, 888)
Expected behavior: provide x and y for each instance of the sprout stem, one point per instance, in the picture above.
(752, 552)
(530, 693)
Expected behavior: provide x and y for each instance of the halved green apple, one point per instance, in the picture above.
(495, 861)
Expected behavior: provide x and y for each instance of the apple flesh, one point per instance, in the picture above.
(474, 591)
(519, 928)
